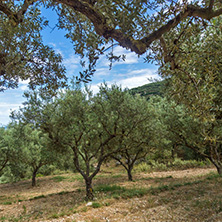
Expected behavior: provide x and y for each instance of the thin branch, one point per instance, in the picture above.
(103, 28)
(211, 4)
(16, 17)
(166, 55)
(4, 164)
(192, 80)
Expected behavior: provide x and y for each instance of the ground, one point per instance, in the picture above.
(186, 195)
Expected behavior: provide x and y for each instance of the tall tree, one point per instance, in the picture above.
(35, 151)
(184, 129)
(142, 139)
(93, 126)
(76, 125)
(4, 150)
(95, 25)
(23, 56)
(197, 84)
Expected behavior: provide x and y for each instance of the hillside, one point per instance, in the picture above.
(150, 89)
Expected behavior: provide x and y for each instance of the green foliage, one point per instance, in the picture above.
(186, 164)
(58, 178)
(24, 56)
(148, 90)
(108, 188)
(142, 167)
(96, 205)
(94, 27)
(176, 164)
(197, 85)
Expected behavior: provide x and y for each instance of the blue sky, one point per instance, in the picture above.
(130, 73)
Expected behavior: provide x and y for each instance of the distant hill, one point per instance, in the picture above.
(150, 89)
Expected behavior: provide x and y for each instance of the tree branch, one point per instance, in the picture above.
(211, 4)
(4, 164)
(102, 28)
(16, 17)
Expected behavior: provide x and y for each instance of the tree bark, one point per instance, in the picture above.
(34, 178)
(219, 169)
(89, 190)
(129, 172)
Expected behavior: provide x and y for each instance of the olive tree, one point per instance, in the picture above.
(35, 151)
(142, 139)
(184, 129)
(4, 150)
(75, 125)
(197, 85)
(92, 127)
(153, 27)
(23, 56)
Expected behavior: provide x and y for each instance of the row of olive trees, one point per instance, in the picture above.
(92, 129)
(24, 150)
(95, 128)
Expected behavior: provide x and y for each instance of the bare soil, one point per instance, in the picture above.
(194, 197)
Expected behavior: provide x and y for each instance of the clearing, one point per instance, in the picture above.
(186, 195)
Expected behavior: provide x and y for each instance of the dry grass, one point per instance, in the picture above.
(188, 195)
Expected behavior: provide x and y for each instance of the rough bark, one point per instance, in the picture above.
(89, 189)
(139, 46)
(129, 172)
(219, 170)
(34, 178)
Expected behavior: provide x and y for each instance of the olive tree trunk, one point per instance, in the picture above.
(34, 177)
(89, 189)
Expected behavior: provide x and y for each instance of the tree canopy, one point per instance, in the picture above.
(153, 27)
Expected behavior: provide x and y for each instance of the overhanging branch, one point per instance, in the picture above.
(138, 46)
(16, 17)
(102, 28)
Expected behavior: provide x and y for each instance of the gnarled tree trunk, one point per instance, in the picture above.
(34, 177)
(129, 172)
(89, 189)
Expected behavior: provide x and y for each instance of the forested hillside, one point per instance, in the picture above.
(150, 89)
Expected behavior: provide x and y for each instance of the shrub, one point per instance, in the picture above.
(142, 167)
(96, 205)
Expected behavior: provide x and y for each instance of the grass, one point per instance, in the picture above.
(168, 190)
(96, 205)
(118, 192)
(7, 203)
(109, 188)
(59, 178)
(75, 177)
(38, 197)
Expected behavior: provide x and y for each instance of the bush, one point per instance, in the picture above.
(186, 164)
(142, 167)
(177, 164)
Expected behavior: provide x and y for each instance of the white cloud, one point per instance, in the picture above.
(71, 63)
(57, 50)
(3, 105)
(139, 72)
(5, 111)
(131, 57)
(102, 72)
(132, 79)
